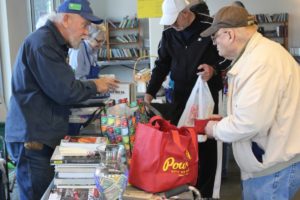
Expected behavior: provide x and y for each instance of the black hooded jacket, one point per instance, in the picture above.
(181, 52)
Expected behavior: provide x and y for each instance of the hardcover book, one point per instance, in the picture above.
(73, 181)
(76, 175)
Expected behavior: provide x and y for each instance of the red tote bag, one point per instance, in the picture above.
(164, 156)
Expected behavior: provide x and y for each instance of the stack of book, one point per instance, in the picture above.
(76, 160)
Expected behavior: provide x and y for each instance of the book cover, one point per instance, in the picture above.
(88, 142)
(79, 156)
(74, 193)
(77, 160)
(74, 169)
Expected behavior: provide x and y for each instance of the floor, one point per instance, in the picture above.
(230, 187)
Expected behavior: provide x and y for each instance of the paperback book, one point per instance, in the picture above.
(87, 142)
(77, 156)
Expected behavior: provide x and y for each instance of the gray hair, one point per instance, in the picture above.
(43, 19)
(96, 30)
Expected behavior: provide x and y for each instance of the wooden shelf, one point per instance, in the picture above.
(272, 22)
(115, 49)
(274, 30)
(123, 62)
(124, 43)
(124, 29)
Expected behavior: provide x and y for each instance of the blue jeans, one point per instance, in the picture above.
(281, 185)
(33, 170)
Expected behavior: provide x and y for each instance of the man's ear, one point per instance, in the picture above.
(185, 12)
(231, 34)
(65, 20)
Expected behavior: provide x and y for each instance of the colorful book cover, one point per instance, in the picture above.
(74, 193)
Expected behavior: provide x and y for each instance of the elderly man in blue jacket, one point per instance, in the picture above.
(43, 89)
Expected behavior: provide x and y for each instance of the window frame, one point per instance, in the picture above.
(54, 3)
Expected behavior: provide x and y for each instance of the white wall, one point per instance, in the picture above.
(114, 9)
(120, 8)
(269, 6)
(155, 31)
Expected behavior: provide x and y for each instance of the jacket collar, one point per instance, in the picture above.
(252, 43)
(61, 41)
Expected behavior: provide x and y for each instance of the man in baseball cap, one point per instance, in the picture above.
(171, 10)
(80, 7)
(44, 90)
(262, 121)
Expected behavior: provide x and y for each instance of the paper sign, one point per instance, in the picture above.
(125, 90)
(149, 8)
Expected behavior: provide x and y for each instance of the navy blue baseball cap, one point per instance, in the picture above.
(80, 7)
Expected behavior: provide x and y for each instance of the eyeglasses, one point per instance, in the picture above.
(215, 36)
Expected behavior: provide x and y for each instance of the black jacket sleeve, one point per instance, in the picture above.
(161, 69)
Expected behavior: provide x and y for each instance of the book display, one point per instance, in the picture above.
(123, 40)
(274, 27)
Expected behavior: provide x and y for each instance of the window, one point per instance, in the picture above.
(1, 82)
(40, 8)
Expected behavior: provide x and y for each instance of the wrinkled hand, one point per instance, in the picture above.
(209, 129)
(206, 71)
(148, 98)
(106, 83)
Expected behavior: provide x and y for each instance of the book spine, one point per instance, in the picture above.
(76, 161)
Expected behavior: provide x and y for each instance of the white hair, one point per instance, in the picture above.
(43, 19)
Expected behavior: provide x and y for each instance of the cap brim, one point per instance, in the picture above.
(91, 18)
(208, 32)
(168, 19)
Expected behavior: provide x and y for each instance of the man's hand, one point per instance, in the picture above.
(209, 129)
(205, 71)
(213, 120)
(105, 84)
(148, 98)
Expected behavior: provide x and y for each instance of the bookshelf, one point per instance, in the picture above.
(123, 40)
(274, 27)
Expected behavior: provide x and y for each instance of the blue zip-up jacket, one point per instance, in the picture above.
(43, 88)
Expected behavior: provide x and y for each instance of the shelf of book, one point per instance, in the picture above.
(124, 43)
(123, 40)
(274, 27)
(123, 62)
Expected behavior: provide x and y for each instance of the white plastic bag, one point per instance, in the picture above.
(200, 104)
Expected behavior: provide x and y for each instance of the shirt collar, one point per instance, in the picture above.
(61, 41)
